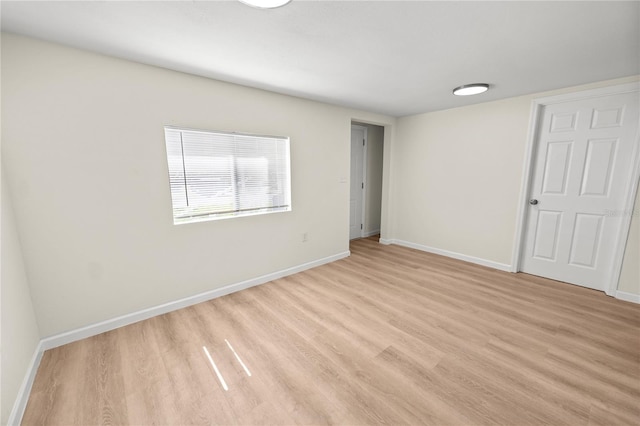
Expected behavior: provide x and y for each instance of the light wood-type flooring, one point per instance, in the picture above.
(389, 335)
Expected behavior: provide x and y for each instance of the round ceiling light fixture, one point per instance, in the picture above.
(265, 4)
(471, 89)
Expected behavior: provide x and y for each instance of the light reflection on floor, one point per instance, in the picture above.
(215, 367)
(238, 358)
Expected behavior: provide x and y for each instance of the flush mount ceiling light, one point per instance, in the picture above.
(470, 89)
(265, 4)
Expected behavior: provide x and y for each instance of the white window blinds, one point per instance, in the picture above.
(215, 175)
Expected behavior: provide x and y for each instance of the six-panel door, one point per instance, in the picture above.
(581, 171)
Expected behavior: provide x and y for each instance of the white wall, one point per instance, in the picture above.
(456, 178)
(630, 274)
(83, 145)
(20, 335)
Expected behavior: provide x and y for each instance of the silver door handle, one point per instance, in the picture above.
(533, 202)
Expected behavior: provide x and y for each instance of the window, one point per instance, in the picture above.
(216, 175)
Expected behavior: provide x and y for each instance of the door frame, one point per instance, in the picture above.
(364, 174)
(535, 119)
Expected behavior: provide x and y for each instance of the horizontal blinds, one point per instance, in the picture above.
(215, 175)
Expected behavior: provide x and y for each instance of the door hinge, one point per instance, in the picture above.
(360, 226)
(362, 185)
(362, 142)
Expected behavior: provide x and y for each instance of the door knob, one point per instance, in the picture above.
(533, 202)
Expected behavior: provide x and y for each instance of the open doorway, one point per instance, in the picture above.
(367, 143)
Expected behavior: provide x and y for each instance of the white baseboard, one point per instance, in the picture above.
(629, 297)
(447, 253)
(111, 324)
(371, 233)
(622, 295)
(15, 417)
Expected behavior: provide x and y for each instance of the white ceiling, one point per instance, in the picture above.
(393, 57)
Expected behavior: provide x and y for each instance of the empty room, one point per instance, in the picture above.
(275, 212)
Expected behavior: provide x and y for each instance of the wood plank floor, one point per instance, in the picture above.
(389, 335)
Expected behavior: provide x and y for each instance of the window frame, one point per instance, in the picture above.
(286, 192)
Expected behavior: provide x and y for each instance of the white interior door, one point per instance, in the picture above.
(581, 174)
(356, 222)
